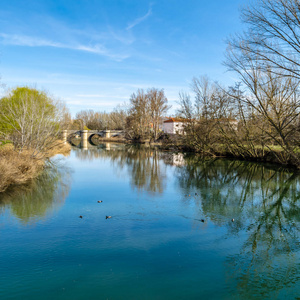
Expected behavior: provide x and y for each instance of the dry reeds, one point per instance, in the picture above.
(17, 168)
(59, 147)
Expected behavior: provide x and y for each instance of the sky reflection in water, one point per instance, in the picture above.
(155, 245)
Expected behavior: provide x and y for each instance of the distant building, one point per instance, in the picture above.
(160, 123)
(177, 125)
(174, 125)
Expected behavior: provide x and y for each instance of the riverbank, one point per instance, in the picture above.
(173, 143)
(268, 154)
(19, 168)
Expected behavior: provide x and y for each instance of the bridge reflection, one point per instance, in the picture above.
(84, 137)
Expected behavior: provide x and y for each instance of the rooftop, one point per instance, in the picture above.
(173, 120)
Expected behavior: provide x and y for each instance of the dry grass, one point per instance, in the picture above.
(16, 169)
(58, 148)
(19, 168)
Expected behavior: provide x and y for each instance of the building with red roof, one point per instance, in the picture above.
(174, 125)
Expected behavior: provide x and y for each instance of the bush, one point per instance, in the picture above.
(17, 168)
(30, 119)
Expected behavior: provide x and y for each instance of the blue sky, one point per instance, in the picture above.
(94, 54)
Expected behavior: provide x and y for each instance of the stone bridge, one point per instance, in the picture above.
(87, 134)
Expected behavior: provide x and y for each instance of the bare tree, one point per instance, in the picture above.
(145, 113)
(91, 119)
(274, 107)
(102, 120)
(138, 121)
(205, 92)
(272, 37)
(266, 58)
(158, 103)
(205, 116)
(118, 117)
(66, 120)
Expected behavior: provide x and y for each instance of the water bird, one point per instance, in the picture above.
(202, 220)
(108, 217)
(232, 220)
(80, 217)
(100, 201)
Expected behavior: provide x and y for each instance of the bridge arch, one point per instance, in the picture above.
(86, 136)
(90, 138)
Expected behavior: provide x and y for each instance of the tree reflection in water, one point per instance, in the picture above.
(34, 201)
(147, 171)
(264, 202)
(262, 199)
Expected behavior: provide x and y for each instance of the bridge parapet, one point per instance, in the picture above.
(86, 134)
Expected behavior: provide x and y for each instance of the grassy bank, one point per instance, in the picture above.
(274, 154)
(19, 168)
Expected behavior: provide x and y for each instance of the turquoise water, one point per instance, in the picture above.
(155, 245)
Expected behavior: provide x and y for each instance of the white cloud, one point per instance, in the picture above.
(100, 50)
(28, 41)
(141, 19)
(126, 38)
(22, 40)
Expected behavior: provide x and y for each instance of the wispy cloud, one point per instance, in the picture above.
(100, 50)
(140, 19)
(125, 38)
(28, 41)
(22, 40)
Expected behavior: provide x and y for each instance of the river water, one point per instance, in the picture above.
(155, 245)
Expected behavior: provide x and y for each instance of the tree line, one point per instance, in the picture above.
(141, 118)
(265, 101)
(32, 120)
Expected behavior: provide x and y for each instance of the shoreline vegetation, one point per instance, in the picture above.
(177, 143)
(270, 154)
(31, 125)
(220, 145)
(20, 168)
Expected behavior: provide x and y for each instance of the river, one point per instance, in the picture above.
(181, 227)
